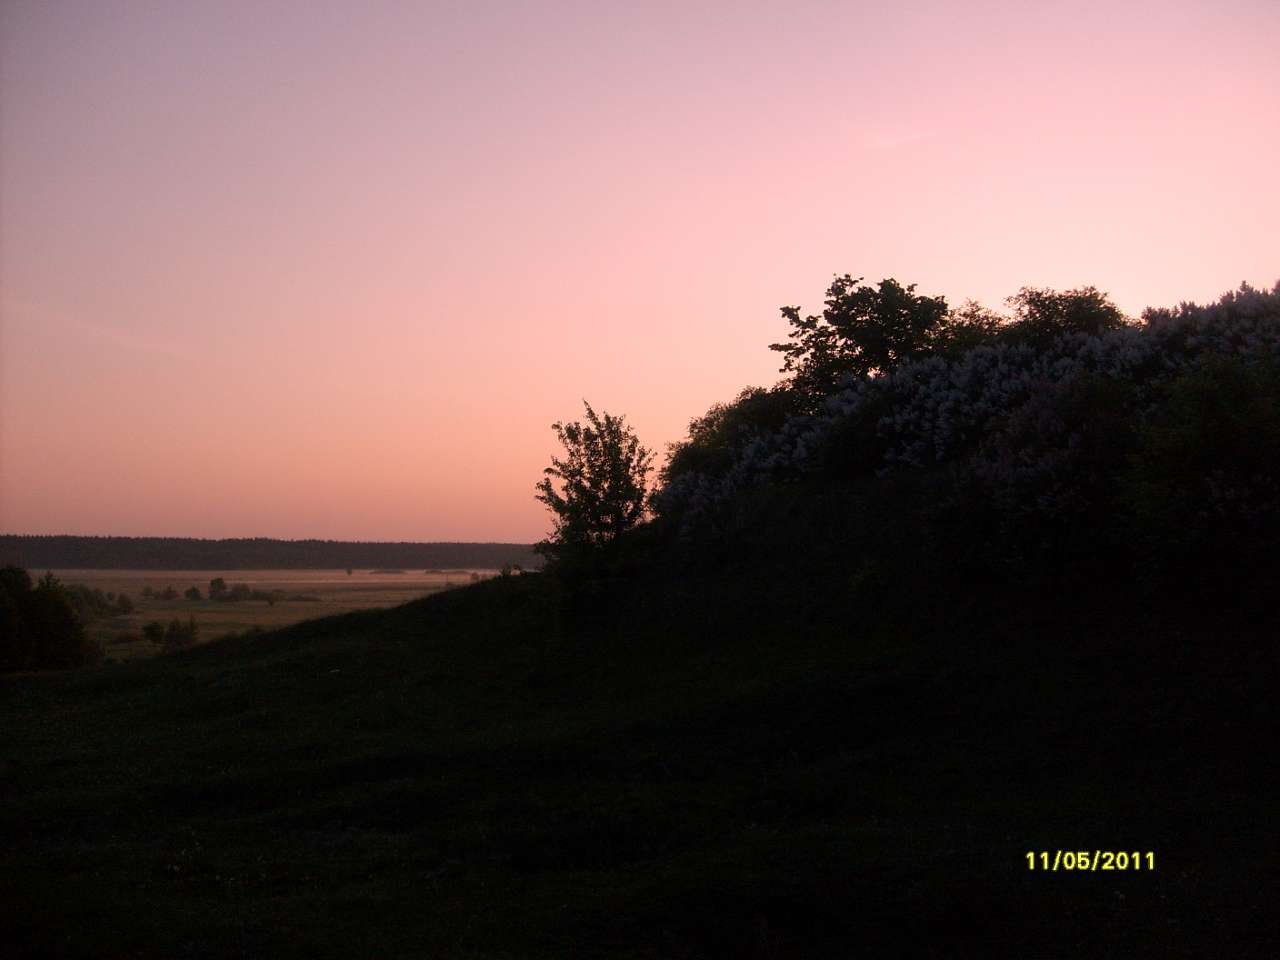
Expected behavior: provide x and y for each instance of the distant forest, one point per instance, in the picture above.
(260, 553)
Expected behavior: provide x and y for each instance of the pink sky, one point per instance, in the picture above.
(332, 269)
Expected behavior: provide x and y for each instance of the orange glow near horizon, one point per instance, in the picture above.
(332, 270)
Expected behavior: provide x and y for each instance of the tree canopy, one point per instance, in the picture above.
(861, 330)
(601, 490)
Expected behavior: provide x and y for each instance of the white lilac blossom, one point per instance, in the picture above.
(936, 409)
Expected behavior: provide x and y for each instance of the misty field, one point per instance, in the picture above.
(300, 595)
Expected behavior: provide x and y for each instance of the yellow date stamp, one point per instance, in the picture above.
(1092, 861)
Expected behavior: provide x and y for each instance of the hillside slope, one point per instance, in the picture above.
(726, 756)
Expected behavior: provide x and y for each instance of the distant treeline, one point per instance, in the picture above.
(183, 553)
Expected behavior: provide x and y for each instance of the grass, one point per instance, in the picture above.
(733, 761)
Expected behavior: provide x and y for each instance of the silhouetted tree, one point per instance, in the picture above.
(192, 593)
(39, 627)
(1040, 315)
(860, 331)
(15, 589)
(966, 327)
(217, 587)
(602, 484)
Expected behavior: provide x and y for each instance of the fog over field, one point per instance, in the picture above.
(296, 595)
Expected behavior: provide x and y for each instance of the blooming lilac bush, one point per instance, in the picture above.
(972, 410)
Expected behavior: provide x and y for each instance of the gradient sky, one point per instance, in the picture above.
(332, 269)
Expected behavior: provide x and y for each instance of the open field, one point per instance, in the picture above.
(307, 594)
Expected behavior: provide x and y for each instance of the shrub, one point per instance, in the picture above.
(602, 485)
(939, 410)
(179, 635)
(1044, 476)
(714, 438)
(1203, 488)
(39, 626)
(237, 593)
(91, 603)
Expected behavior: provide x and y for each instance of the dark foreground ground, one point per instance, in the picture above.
(734, 764)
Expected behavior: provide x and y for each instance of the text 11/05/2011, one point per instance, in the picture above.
(1091, 860)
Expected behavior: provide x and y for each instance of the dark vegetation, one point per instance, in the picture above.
(219, 592)
(42, 623)
(1003, 586)
(182, 553)
(91, 604)
(596, 492)
(175, 636)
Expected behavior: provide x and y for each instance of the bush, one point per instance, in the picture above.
(91, 603)
(936, 411)
(714, 438)
(1037, 494)
(179, 635)
(193, 593)
(1203, 488)
(602, 487)
(237, 593)
(39, 626)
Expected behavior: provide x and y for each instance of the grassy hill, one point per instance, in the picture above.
(740, 753)
(1005, 595)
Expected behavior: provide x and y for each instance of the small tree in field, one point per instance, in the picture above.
(601, 484)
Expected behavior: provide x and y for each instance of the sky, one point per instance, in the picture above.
(318, 269)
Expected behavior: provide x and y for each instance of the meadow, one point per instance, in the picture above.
(302, 595)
